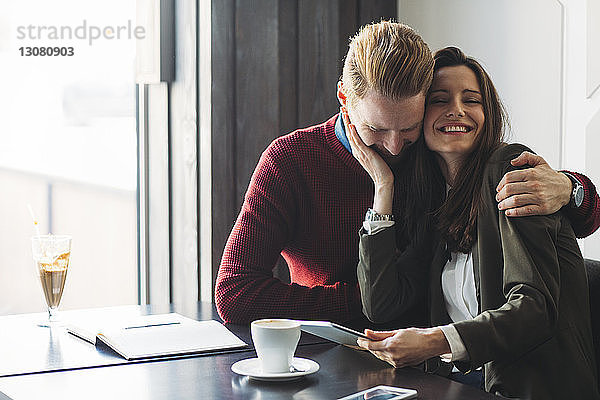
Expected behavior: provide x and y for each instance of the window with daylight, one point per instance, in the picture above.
(68, 149)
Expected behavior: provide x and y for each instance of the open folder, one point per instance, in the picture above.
(160, 335)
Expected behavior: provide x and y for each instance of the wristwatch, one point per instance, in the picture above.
(578, 192)
(373, 215)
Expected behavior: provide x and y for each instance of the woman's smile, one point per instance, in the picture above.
(454, 129)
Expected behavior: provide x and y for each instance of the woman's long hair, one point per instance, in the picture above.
(421, 189)
(455, 219)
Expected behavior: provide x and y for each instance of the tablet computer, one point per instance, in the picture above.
(332, 331)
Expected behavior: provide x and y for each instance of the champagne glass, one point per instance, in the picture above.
(51, 254)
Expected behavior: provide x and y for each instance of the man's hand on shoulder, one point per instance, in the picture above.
(538, 190)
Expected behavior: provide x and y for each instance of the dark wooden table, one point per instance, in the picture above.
(37, 364)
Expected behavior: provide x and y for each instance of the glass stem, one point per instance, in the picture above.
(52, 314)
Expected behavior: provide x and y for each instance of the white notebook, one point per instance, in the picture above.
(159, 335)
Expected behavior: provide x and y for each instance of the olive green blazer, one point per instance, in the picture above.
(533, 334)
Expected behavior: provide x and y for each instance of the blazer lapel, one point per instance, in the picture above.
(476, 265)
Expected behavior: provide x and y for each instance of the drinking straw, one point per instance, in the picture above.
(35, 221)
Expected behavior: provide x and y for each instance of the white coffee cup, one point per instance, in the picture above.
(275, 341)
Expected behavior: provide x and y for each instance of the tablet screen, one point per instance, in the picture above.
(331, 331)
(383, 393)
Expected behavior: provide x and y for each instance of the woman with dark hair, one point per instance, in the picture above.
(506, 294)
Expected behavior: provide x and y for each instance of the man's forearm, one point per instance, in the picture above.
(242, 298)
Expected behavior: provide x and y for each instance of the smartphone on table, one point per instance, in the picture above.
(383, 393)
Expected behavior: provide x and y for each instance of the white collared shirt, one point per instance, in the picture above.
(460, 297)
(458, 286)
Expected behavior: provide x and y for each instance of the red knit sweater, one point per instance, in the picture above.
(306, 201)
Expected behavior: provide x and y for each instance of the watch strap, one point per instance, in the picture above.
(577, 193)
(373, 215)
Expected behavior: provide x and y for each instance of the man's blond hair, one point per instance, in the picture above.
(389, 58)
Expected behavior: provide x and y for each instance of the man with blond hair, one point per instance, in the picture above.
(308, 195)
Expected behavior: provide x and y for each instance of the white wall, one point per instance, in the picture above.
(592, 109)
(541, 55)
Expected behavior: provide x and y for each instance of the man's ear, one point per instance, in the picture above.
(341, 95)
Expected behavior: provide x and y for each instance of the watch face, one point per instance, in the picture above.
(579, 196)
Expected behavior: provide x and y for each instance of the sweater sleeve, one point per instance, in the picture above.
(585, 219)
(246, 288)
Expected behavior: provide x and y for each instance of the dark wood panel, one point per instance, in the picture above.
(374, 10)
(288, 66)
(224, 195)
(348, 17)
(318, 54)
(257, 86)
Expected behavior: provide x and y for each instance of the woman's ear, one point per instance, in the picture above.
(341, 95)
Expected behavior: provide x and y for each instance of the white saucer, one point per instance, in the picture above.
(251, 368)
